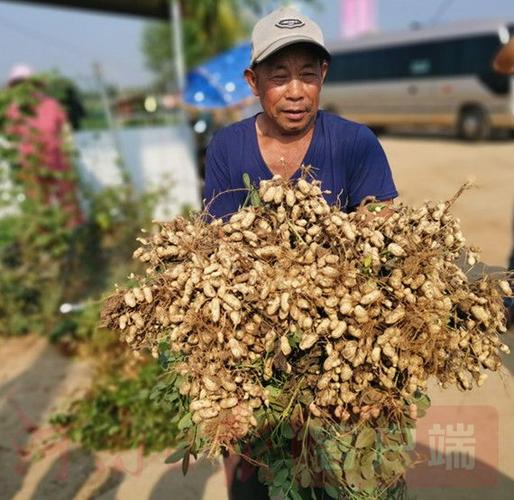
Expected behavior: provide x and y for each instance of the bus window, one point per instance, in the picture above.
(454, 57)
(420, 67)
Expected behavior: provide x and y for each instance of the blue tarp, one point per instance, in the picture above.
(219, 82)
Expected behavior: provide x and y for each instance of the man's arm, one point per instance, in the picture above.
(370, 174)
(217, 181)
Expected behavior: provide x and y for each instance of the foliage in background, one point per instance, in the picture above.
(36, 234)
(44, 261)
(209, 27)
(102, 256)
(119, 413)
(139, 407)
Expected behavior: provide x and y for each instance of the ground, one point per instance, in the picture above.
(35, 378)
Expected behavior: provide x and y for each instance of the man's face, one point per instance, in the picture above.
(288, 85)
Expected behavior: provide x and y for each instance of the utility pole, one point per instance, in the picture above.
(177, 43)
(97, 72)
(111, 123)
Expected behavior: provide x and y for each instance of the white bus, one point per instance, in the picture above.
(438, 76)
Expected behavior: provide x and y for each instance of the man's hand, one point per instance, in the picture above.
(374, 209)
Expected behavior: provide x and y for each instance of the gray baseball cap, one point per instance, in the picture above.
(283, 27)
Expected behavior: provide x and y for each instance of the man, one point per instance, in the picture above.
(289, 64)
(288, 67)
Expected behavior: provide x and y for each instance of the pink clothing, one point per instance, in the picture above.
(41, 134)
(43, 129)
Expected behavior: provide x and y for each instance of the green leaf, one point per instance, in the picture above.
(294, 338)
(281, 477)
(349, 461)
(296, 418)
(163, 360)
(333, 450)
(385, 467)
(367, 261)
(423, 402)
(316, 430)
(170, 398)
(164, 346)
(294, 494)
(366, 438)
(246, 181)
(274, 392)
(375, 207)
(392, 439)
(176, 456)
(345, 442)
(185, 422)
(185, 463)
(407, 460)
(367, 467)
(275, 491)
(276, 465)
(390, 464)
(255, 198)
(368, 484)
(353, 478)
(331, 492)
(305, 478)
(408, 437)
(287, 431)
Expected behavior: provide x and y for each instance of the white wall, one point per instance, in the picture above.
(154, 156)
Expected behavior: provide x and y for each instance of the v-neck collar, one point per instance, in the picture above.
(306, 160)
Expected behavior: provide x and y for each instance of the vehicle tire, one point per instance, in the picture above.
(473, 124)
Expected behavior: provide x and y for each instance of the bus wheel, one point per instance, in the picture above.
(473, 124)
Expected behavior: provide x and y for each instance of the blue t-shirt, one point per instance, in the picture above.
(346, 157)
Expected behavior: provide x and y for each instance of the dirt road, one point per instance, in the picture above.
(435, 168)
(35, 378)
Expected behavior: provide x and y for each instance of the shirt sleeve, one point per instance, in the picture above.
(371, 174)
(217, 180)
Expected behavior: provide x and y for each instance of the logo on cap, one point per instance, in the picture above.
(290, 23)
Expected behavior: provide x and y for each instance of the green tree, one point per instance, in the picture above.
(209, 27)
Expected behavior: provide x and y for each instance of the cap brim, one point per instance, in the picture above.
(285, 42)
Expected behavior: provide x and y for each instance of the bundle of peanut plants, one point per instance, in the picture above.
(303, 337)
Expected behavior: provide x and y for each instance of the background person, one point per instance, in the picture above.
(41, 135)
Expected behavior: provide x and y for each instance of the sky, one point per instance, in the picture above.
(72, 40)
